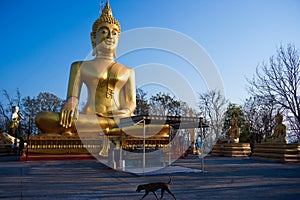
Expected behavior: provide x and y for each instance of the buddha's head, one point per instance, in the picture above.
(279, 118)
(234, 121)
(15, 108)
(105, 32)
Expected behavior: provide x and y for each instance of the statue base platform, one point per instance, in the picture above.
(6, 142)
(59, 147)
(232, 149)
(71, 147)
(6, 150)
(132, 134)
(277, 152)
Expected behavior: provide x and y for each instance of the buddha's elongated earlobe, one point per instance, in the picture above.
(115, 53)
(93, 44)
(94, 52)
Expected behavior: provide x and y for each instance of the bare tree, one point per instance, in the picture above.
(29, 108)
(4, 118)
(212, 106)
(6, 104)
(259, 114)
(280, 80)
(44, 102)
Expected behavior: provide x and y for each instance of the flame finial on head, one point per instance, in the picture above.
(105, 17)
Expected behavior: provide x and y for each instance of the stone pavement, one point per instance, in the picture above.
(224, 178)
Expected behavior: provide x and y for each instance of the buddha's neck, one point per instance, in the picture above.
(109, 56)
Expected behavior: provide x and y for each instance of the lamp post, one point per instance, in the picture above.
(202, 152)
(28, 134)
(144, 146)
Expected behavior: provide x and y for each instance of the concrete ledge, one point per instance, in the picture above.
(6, 150)
(232, 149)
(278, 152)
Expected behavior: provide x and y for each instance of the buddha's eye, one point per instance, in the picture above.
(114, 32)
(103, 31)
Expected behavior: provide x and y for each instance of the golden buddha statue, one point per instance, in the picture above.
(16, 118)
(110, 85)
(234, 131)
(279, 131)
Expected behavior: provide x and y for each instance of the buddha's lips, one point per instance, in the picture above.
(109, 42)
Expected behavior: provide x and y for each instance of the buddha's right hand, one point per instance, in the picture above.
(68, 112)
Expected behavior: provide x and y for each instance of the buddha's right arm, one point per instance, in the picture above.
(75, 82)
(69, 109)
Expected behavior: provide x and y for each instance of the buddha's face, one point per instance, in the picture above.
(107, 38)
(279, 119)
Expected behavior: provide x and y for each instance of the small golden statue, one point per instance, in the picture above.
(279, 131)
(16, 118)
(110, 85)
(234, 131)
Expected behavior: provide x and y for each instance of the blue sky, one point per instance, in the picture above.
(40, 39)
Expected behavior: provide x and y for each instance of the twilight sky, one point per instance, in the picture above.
(40, 40)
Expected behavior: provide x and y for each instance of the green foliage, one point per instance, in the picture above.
(160, 104)
(142, 105)
(163, 104)
(232, 111)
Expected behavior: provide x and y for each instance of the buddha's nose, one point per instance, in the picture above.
(109, 34)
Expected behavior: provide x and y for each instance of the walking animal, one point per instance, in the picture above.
(153, 187)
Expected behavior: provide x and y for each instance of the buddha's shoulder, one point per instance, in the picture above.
(81, 64)
(77, 64)
(123, 67)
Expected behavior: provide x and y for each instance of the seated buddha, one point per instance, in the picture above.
(279, 131)
(110, 85)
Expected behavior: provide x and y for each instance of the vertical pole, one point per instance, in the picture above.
(202, 152)
(121, 150)
(144, 146)
(169, 150)
(28, 134)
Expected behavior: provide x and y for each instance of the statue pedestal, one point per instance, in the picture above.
(136, 133)
(6, 150)
(277, 151)
(57, 147)
(6, 142)
(232, 149)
